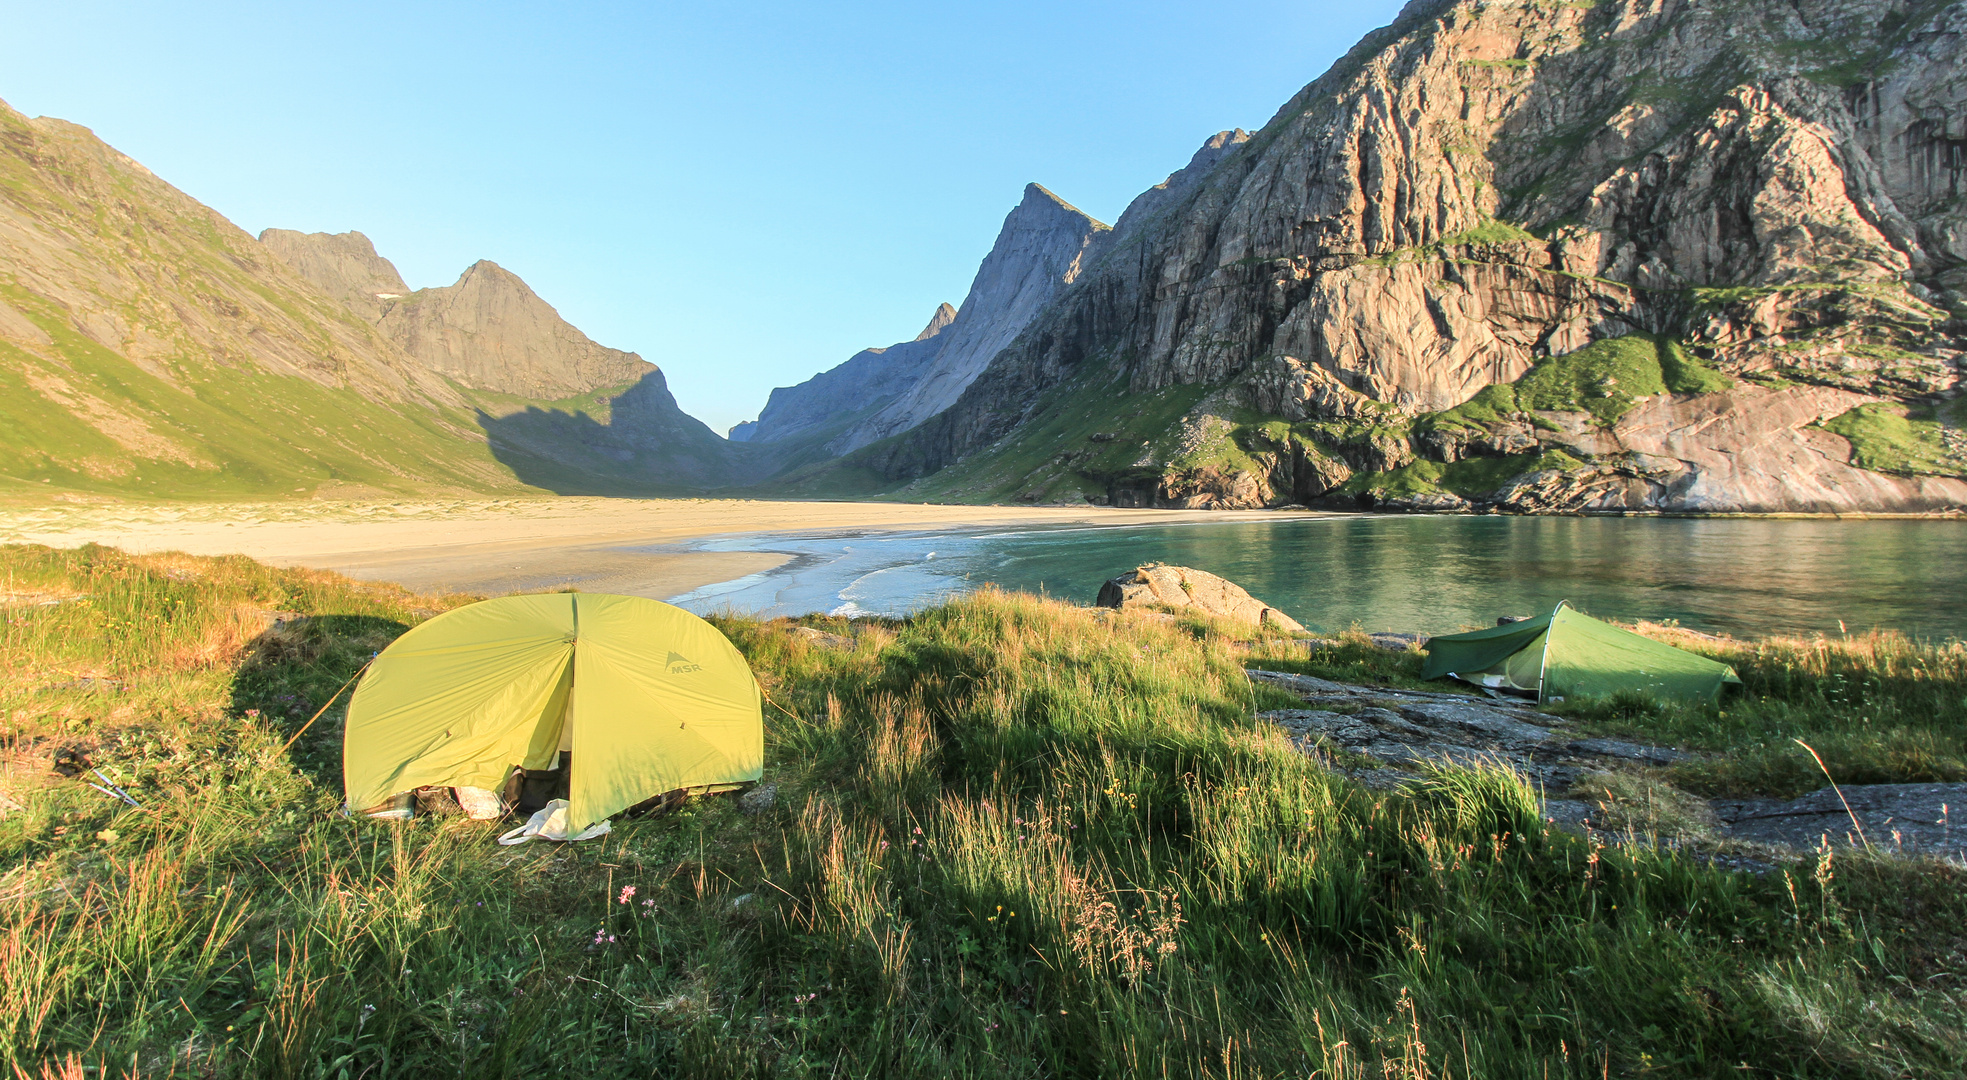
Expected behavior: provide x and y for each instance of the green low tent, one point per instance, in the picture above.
(1569, 653)
(646, 697)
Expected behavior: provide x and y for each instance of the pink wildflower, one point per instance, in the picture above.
(628, 893)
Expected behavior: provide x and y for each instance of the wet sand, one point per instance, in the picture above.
(489, 547)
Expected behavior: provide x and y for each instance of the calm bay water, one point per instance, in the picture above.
(1419, 573)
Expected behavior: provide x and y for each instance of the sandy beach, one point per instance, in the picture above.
(490, 547)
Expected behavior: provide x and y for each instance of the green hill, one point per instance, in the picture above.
(149, 347)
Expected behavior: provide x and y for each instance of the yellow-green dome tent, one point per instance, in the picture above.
(1570, 653)
(650, 698)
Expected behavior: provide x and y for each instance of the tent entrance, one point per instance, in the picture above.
(1519, 674)
(529, 790)
(547, 772)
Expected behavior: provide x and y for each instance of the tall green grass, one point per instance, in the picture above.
(1009, 839)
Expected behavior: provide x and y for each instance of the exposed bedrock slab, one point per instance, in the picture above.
(1408, 728)
(1928, 819)
(1402, 730)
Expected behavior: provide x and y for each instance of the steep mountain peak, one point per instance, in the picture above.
(1222, 142)
(491, 331)
(1041, 209)
(343, 265)
(938, 322)
(1042, 246)
(488, 272)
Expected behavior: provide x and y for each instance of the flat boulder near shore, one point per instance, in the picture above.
(1180, 588)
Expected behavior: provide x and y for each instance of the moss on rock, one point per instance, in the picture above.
(1901, 440)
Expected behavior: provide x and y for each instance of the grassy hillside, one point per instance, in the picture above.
(149, 347)
(1082, 438)
(1906, 440)
(97, 422)
(1011, 838)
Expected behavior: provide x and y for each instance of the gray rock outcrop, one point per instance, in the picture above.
(1480, 187)
(1897, 818)
(1383, 736)
(1179, 588)
(1405, 729)
(343, 265)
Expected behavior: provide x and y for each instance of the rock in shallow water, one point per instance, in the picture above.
(1181, 588)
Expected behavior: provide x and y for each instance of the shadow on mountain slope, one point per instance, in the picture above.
(627, 441)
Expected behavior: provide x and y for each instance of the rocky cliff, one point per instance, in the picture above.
(1723, 240)
(489, 331)
(1042, 247)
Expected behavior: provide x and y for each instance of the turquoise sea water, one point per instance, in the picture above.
(1416, 573)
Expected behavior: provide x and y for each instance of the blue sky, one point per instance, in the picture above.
(742, 193)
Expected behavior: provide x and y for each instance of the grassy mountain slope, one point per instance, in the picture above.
(149, 347)
(78, 416)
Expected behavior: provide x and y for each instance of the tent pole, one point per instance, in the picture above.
(1543, 661)
(324, 705)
